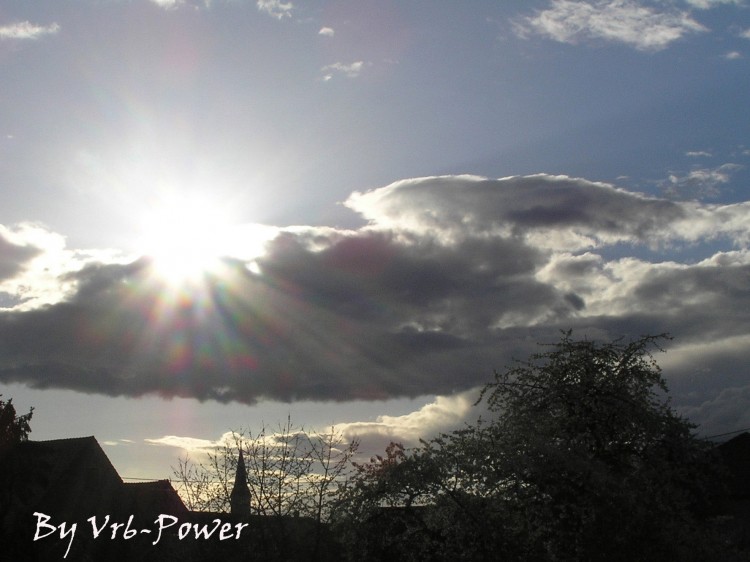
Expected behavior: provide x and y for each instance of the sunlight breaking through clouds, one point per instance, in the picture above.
(451, 278)
(521, 168)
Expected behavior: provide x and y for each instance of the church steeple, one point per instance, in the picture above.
(239, 499)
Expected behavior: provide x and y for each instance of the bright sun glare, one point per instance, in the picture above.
(186, 238)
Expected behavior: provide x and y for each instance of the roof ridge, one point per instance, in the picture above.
(61, 439)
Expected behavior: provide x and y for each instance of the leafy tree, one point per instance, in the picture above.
(581, 458)
(13, 428)
(386, 499)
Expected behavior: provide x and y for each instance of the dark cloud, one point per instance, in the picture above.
(709, 289)
(13, 257)
(453, 278)
(373, 275)
(319, 324)
(577, 302)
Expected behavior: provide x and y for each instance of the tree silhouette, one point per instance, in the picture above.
(13, 428)
(290, 473)
(581, 458)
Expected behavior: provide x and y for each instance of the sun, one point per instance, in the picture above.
(186, 237)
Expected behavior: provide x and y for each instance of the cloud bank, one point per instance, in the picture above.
(451, 278)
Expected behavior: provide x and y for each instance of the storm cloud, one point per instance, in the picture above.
(451, 278)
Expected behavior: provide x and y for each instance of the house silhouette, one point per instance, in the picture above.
(70, 481)
(47, 487)
(735, 456)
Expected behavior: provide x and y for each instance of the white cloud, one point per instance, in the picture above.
(707, 4)
(745, 34)
(546, 211)
(443, 414)
(189, 444)
(327, 31)
(733, 55)
(620, 21)
(698, 153)
(168, 4)
(710, 222)
(700, 183)
(350, 70)
(630, 286)
(42, 266)
(276, 8)
(27, 30)
(194, 4)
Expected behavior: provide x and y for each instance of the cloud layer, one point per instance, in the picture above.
(451, 278)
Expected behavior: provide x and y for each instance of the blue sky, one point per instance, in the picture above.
(218, 212)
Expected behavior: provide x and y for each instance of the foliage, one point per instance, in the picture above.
(13, 428)
(581, 458)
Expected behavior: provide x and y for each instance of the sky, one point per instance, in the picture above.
(218, 213)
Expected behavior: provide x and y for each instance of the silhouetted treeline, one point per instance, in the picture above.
(579, 458)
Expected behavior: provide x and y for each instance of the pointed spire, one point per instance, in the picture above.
(239, 499)
(241, 474)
